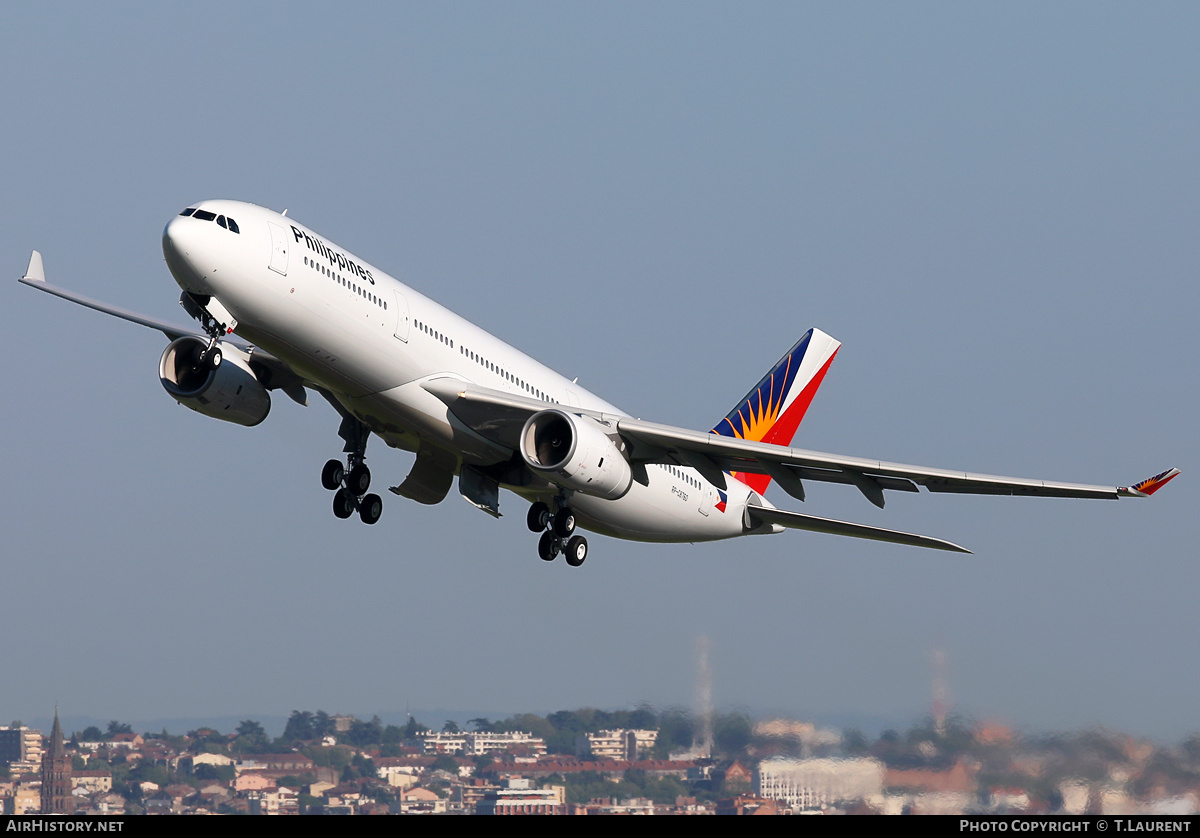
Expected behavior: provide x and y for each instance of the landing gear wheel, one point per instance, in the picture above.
(214, 359)
(370, 508)
(548, 547)
(576, 551)
(564, 522)
(332, 474)
(359, 480)
(343, 504)
(538, 517)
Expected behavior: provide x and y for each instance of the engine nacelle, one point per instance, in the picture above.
(231, 392)
(575, 452)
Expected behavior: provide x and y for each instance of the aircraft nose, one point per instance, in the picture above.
(178, 241)
(174, 234)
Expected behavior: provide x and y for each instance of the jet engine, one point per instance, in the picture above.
(575, 452)
(231, 392)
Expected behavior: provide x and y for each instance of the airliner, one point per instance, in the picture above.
(281, 308)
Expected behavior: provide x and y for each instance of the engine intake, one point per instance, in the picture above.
(574, 451)
(231, 392)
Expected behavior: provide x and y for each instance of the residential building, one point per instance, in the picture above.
(627, 745)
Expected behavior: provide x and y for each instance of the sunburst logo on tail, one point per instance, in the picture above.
(773, 410)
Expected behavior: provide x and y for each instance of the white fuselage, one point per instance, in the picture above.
(348, 327)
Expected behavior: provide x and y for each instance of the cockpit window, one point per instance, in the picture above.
(205, 215)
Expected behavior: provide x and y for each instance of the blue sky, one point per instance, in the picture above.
(993, 207)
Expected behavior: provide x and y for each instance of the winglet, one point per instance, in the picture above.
(1149, 486)
(34, 272)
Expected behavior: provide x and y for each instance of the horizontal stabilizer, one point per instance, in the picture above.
(800, 521)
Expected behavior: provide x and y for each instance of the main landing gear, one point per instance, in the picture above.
(556, 530)
(350, 482)
(352, 495)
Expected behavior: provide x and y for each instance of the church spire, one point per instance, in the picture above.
(56, 775)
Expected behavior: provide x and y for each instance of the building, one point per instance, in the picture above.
(819, 783)
(21, 748)
(480, 743)
(518, 797)
(56, 775)
(627, 745)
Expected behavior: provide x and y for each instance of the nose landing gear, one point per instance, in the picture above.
(557, 533)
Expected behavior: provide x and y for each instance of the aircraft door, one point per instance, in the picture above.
(279, 248)
(401, 330)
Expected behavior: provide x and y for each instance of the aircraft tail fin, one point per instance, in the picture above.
(771, 412)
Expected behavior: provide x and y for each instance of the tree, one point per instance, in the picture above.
(643, 718)
(252, 729)
(364, 765)
(323, 724)
(450, 726)
(115, 728)
(91, 733)
(854, 742)
(732, 732)
(365, 733)
(251, 737)
(337, 757)
(300, 726)
(223, 773)
(675, 731)
(445, 762)
(481, 724)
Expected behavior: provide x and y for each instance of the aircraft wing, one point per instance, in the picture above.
(791, 466)
(35, 277)
(500, 416)
(282, 376)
